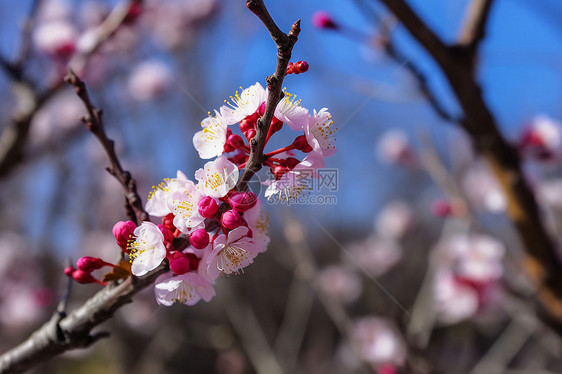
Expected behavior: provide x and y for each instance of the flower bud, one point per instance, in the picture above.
(300, 67)
(90, 264)
(261, 110)
(441, 208)
(199, 239)
(279, 171)
(123, 230)
(168, 235)
(235, 141)
(242, 201)
(84, 277)
(68, 271)
(247, 124)
(208, 207)
(231, 219)
(276, 125)
(168, 222)
(193, 261)
(238, 159)
(301, 144)
(291, 162)
(250, 134)
(179, 263)
(323, 20)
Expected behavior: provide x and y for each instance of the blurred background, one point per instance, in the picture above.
(412, 267)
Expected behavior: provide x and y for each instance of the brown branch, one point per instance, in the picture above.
(474, 29)
(284, 43)
(541, 262)
(59, 335)
(94, 122)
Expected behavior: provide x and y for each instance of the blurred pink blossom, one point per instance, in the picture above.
(394, 147)
(483, 190)
(341, 283)
(377, 255)
(147, 80)
(394, 220)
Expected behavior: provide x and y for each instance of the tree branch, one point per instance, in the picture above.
(59, 335)
(284, 43)
(94, 122)
(474, 29)
(541, 262)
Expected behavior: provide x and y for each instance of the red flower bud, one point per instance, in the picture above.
(291, 162)
(199, 239)
(279, 171)
(179, 263)
(68, 271)
(276, 125)
(247, 124)
(250, 134)
(123, 231)
(85, 277)
(235, 141)
(168, 222)
(242, 201)
(208, 207)
(323, 20)
(301, 144)
(231, 219)
(90, 264)
(168, 236)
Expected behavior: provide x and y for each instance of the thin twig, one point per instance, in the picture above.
(474, 29)
(284, 43)
(94, 122)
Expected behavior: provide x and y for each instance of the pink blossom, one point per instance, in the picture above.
(147, 80)
(377, 255)
(454, 301)
(231, 253)
(157, 204)
(394, 148)
(378, 342)
(323, 20)
(184, 204)
(340, 283)
(291, 183)
(394, 220)
(258, 222)
(244, 104)
(148, 249)
(210, 141)
(187, 289)
(483, 189)
(217, 177)
(290, 111)
(320, 133)
(56, 38)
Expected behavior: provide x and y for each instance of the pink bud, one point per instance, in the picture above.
(179, 263)
(323, 20)
(123, 231)
(279, 171)
(133, 13)
(90, 264)
(242, 201)
(276, 125)
(231, 219)
(168, 222)
(193, 261)
(199, 239)
(250, 134)
(68, 271)
(301, 144)
(84, 277)
(300, 67)
(208, 207)
(441, 208)
(235, 141)
(247, 123)
(291, 162)
(168, 235)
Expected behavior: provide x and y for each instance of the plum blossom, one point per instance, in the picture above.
(187, 289)
(394, 148)
(184, 204)
(454, 301)
(340, 283)
(394, 220)
(378, 343)
(244, 104)
(320, 133)
(231, 253)
(258, 222)
(483, 190)
(147, 251)
(56, 38)
(157, 204)
(291, 184)
(543, 137)
(217, 177)
(377, 255)
(292, 113)
(210, 141)
(147, 80)
(468, 267)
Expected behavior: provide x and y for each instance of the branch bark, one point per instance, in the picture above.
(94, 122)
(541, 261)
(284, 43)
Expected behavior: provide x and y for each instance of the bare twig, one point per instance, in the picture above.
(76, 328)
(542, 263)
(94, 122)
(284, 43)
(474, 29)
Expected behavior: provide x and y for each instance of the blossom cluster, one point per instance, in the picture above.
(210, 225)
